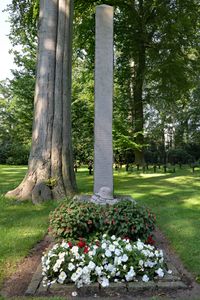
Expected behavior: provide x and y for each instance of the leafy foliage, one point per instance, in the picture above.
(75, 219)
(156, 74)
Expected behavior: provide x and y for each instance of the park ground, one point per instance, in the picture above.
(173, 197)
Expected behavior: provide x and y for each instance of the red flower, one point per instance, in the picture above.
(86, 249)
(97, 243)
(70, 244)
(126, 238)
(81, 244)
(150, 240)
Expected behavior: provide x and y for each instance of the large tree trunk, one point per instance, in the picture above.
(51, 158)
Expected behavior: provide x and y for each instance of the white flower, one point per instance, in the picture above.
(105, 282)
(111, 248)
(145, 252)
(74, 250)
(104, 235)
(74, 294)
(128, 277)
(55, 247)
(105, 261)
(160, 272)
(169, 271)
(118, 273)
(104, 246)
(145, 278)
(62, 255)
(86, 270)
(124, 258)
(131, 273)
(113, 237)
(117, 260)
(79, 271)
(117, 252)
(74, 277)
(110, 267)
(62, 277)
(98, 270)
(108, 253)
(65, 245)
(90, 253)
(140, 245)
(57, 265)
(79, 284)
(94, 252)
(151, 254)
(149, 264)
(141, 262)
(71, 266)
(128, 247)
(91, 265)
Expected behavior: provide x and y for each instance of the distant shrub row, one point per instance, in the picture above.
(14, 154)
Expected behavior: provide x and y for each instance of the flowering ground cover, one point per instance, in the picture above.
(111, 259)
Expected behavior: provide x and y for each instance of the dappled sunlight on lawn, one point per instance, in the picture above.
(173, 197)
(10, 177)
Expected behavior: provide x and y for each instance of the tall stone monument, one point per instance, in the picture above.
(103, 149)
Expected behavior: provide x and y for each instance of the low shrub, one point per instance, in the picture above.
(75, 219)
(128, 219)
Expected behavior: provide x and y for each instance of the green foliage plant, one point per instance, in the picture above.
(128, 219)
(51, 182)
(75, 219)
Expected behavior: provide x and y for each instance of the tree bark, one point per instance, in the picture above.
(51, 157)
(138, 106)
(140, 67)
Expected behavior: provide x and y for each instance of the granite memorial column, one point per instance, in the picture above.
(103, 156)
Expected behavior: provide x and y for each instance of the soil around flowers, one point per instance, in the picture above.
(17, 285)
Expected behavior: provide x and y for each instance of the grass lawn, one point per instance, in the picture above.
(21, 224)
(175, 198)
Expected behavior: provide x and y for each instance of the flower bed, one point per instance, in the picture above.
(110, 260)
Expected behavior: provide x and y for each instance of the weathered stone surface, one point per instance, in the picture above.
(103, 159)
(104, 196)
(171, 285)
(35, 282)
(94, 199)
(40, 193)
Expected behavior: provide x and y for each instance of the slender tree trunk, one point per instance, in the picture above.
(51, 158)
(138, 106)
(138, 90)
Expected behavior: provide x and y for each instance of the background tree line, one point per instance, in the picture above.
(156, 91)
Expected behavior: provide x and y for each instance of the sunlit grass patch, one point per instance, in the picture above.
(174, 197)
(22, 224)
